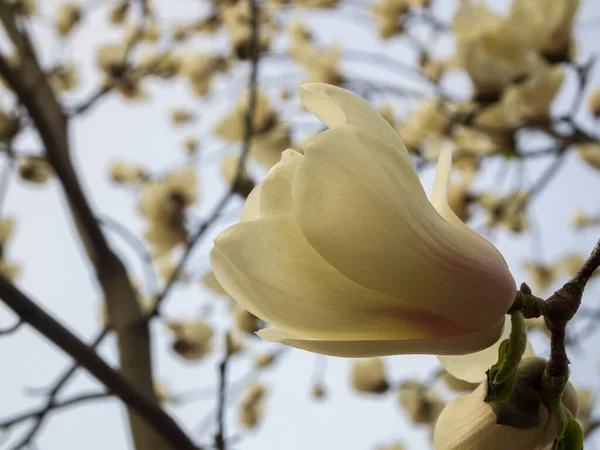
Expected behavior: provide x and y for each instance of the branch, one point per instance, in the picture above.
(220, 442)
(558, 310)
(37, 413)
(34, 91)
(11, 329)
(145, 408)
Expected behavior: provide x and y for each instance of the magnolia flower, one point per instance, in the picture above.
(163, 393)
(547, 23)
(245, 320)
(508, 211)
(7, 225)
(271, 133)
(252, 405)
(237, 19)
(532, 98)
(394, 446)
(200, 69)
(542, 275)
(581, 219)
(422, 405)
(317, 391)
(7, 269)
(64, 78)
(111, 59)
(34, 169)
(587, 400)
(191, 339)
(191, 144)
(341, 251)
(460, 198)
(118, 13)
(68, 15)
(368, 375)
(300, 39)
(470, 423)
(181, 116)
(490, 48)
(426, 120)
(590, 153)
(163, 64)
(9, 126)
(593, 101)
(263, 360)
(121, 172)
(389, 14)
(164, 203)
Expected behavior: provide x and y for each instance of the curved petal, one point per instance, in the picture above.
(276, 192)
(439, 196)
(472, 367)
(251, 209)
(377, 228)
(366, 349)
(468, 423)
(268, 267)
(335, 107)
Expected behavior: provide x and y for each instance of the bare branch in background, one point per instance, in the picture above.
(34, 91)
(148, 410)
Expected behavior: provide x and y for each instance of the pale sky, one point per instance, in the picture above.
(56, 274)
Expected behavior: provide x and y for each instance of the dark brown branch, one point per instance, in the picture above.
(144, 407)
(33, 90)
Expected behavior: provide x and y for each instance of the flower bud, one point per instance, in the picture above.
(368, 376)
(470, 423)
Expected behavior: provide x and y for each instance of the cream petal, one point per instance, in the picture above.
(335, 107)
(472, 367)
(374, 224)
(371, 348)
(468, 423)
(439, 196)
(267, 266)
(251, 209)
(276, 192)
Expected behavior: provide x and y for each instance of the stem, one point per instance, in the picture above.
(518, 342)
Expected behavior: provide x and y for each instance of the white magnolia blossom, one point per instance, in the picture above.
(341, 251)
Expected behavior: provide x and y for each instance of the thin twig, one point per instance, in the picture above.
(220, 441)
(36, 413)
(53, 393)
(12, 328)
